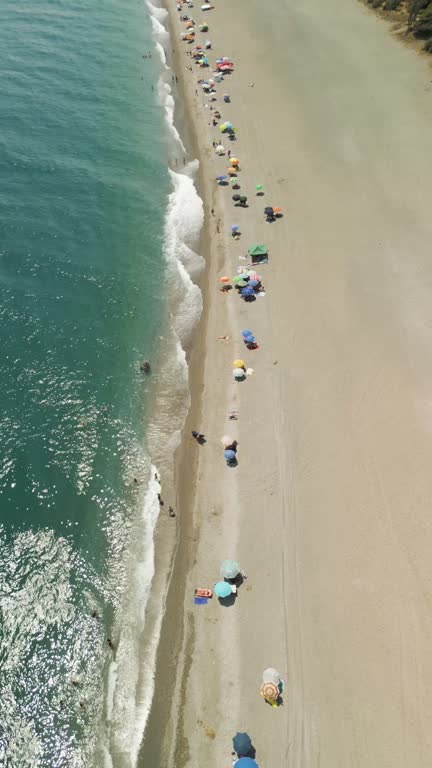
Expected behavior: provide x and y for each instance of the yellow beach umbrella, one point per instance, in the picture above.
(234, 161)
(238, 364)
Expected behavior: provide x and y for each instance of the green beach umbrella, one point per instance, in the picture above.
(258, 187)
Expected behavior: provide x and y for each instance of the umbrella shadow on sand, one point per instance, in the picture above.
(227, 602)
(279, 702)
(251, 753)
(243, 747)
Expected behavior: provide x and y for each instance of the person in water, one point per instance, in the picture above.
(145, 366)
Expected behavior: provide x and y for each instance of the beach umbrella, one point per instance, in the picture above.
(234, 161)
(221, 178)
(271, 675)
(236, 279)
(232, 171)
(253, 283)
(229, 456)
(224, 279)
(268, 211)
(242, 743)
(229, 569)
(277, 210)
(234, 228)
(242, 283)
(222, 589)
(258, 187)
(219, 149)
(238, 363)
(246, 333)
(236, 197)
(245, 762)
(247, 291)
(243, 199)
(227, 440)
(270, 691)
(254, 276)
(238, 373)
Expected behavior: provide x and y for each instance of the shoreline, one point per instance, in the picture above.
(159, 740)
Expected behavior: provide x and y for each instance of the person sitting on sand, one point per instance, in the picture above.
(198, 436)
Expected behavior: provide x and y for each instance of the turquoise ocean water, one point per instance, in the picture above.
(83, 196)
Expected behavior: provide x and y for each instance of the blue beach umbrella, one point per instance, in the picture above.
(221, 178)
(242, 743)
(246, 333)
(234, 228)
(253, 283)
(245, 762)
(247, 291)
(222, 589)
(229, 456)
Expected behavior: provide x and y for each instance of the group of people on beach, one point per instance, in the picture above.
(272, 685)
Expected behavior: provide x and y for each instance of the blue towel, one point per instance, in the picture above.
(200, 600)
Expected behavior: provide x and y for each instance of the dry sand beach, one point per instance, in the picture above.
(329, 509)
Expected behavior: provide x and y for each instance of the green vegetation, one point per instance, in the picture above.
(416, 14)
(392, 5)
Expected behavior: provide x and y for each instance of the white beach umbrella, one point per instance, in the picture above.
(271, 675)
(227, 440)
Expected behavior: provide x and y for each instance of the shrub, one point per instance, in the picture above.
(423, 23)
(376, 3)
(428, 45)
(392, 5)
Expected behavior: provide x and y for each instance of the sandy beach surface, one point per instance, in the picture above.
(329, 509)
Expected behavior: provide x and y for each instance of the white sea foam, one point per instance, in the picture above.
(184, 220)
(128, 707)
(131, 677)
(162, 41)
